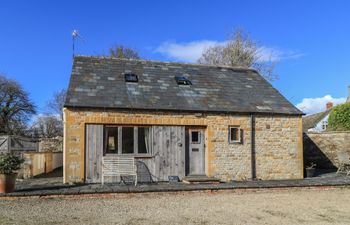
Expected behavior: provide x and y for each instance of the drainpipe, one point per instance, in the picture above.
(252, 145)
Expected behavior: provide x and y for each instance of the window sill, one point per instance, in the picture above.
(235, 142)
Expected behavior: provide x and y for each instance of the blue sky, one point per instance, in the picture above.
(310, 39)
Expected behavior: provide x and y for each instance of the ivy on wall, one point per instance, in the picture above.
(339, 118)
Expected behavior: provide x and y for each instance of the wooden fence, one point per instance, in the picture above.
(11, 143)
(37, 163)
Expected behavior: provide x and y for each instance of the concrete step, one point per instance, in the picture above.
(196, 179)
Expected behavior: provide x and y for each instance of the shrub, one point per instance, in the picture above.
(339, 118)
(10, 163)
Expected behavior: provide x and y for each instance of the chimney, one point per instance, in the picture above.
(329, 105)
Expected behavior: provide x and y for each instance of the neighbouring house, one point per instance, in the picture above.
(318, 122)
(178, 119)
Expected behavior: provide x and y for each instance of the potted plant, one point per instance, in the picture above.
(9, 165)
(310, 170)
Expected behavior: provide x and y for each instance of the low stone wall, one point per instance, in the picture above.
(51, 144)
(323, 148)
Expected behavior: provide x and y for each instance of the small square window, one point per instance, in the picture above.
(195, 137)
(130, 77)
(234, 135)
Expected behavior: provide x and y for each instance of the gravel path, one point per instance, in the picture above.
(283, 207)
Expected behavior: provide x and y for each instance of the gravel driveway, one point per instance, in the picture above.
(282, 207)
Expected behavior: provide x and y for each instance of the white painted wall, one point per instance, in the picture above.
(320, 126)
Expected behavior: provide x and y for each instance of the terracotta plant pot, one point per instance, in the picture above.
(7, 182)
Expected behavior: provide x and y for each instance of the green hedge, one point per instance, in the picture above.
(339, 118)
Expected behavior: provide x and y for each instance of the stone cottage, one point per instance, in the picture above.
(180, 120)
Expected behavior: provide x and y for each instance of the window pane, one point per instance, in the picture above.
(195, 137)
(112, 140)
(144, 140)
(127, 140)
(234, 134)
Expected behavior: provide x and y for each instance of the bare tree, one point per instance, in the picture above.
(120, 51)
(55, 105)
(15, 107)
(239, 51)
(47, 126)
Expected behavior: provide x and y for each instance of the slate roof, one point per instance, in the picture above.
(99, 82)
(311, 121)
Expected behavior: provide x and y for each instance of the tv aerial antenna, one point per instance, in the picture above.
(75, 36)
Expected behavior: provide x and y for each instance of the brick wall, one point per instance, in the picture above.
(278, 141)
(323, 148)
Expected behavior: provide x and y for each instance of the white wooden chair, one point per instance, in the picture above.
(118, 166)
(344, 163)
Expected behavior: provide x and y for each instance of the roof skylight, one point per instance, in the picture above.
(131, 77)
(181, 80)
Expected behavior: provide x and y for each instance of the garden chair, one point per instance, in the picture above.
(119, 166)
(344, 163)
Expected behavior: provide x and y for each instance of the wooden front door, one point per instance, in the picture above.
(196, 152)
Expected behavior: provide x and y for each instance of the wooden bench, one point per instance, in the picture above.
(118, 166)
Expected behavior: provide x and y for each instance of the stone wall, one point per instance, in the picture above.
(51, 144)
(278, 141)
(323, 148)
(279, 148)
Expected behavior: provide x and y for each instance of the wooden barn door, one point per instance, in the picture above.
(93, 153)
(169, 151)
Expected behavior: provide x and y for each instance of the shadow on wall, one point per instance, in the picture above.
(143, 175)
(314, 154)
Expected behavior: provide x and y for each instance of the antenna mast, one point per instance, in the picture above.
(75, 35)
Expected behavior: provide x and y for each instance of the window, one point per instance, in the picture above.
(111, 139)
(143, 142)
(195, 137)
(130, 77)
(181, 80)
(128, 140)
(234, 135)
(324, 125)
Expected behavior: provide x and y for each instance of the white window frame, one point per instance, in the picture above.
(239, 141)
